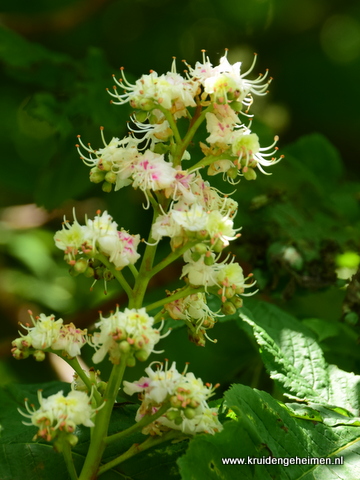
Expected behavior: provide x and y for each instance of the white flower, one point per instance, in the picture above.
(200, 273)
(121, 248)
(60, 413)
(158, 385)
(231, 275)
(71, 238)
(165, 226)
(45, 331)
(220, 132)
(225, 82)
(220, 227)
(48, 333)
(193, 220)
(246, 147)
(70, 339)
(171, 91)
(101, 226)
(128, 331)
(152, 172)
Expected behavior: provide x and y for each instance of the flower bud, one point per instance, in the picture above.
(39, 355)
(175, 402)
(228, 308)
(202, 235)
(218, 246)
(161, 148)
(130, 362)
(237, 301)
(141, 116)
(73, 272)
(200, 248)
(105, 165)
(106, 187)
(172, 415)
(20, 354)
(195, 256)
(124, 346)
(197, 337)
(229, 292)
(209, 261)
(96, 175)
(177, 242)
(232, 173)
(209, 322)
(89, 272)
(101, 387)
(178, 420)
(142, 355)
(236, 106)
(249, 174)
(189, 413)
(80, 266)
(111, 177)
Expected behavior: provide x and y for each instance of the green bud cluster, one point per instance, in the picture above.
(91, 269)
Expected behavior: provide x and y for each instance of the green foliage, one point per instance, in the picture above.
(295, 360)
(59, 97)
(263, 428)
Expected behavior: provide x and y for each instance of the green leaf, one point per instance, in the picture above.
(329, 415)
(265, 430)
(293, 358)
(318, 155)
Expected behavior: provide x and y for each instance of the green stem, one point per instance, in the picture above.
(66, 451)
(172, 123)
(117, 274)
(74, 363)
(146, 420)
(160, 316)
(195, 124)
(136, 448)
(172, 257)
(102, 419)
(184, 292)
(133, 270)
(143, 277)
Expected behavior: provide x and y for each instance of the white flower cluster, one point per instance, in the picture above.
(223, 90)
(120, 163)
(200, 213)
(48, 334)
(59, 413)
(129, 333)
(187, 397)
(196, 314)
(101, 235)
